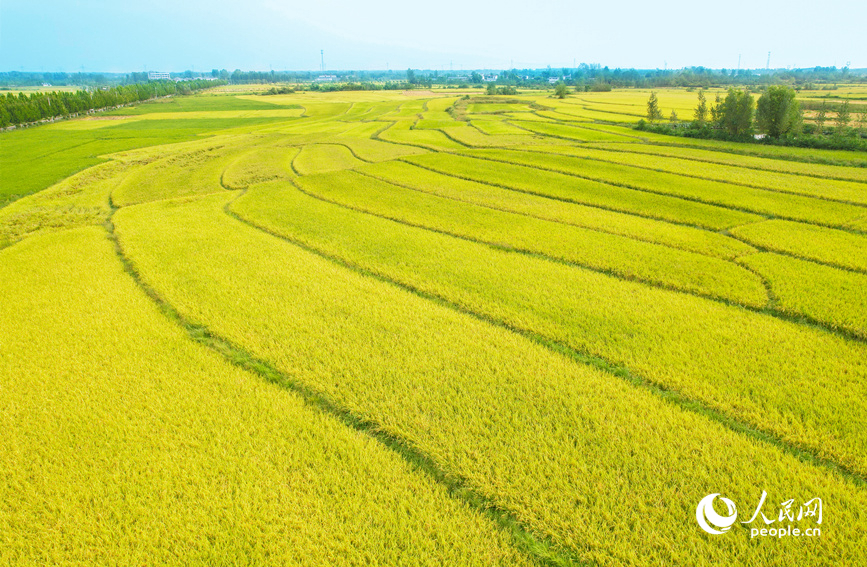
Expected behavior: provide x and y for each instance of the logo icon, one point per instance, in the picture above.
(709, 520)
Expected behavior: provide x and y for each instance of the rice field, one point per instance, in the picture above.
(367, 328)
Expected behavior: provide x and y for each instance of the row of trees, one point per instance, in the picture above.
(22, 108)
(776, 114)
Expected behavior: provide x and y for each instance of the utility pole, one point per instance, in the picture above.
(322, 66)
(768, 64)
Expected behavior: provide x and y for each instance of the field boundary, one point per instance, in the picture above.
(542, 550)
(805, 454)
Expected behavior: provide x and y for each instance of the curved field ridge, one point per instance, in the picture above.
(425, 328)
(490, 406)
(163, 441)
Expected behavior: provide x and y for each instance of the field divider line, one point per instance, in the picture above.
(348, 147)
(768, 309)
(709, 160)
(662, 193)
(762, 248)
(565, 199)
(737, 151)
(375, 136)
(524, 251)
(532, 216)
(542, 550)
(587, 126)
(805, 454)
(601, 147)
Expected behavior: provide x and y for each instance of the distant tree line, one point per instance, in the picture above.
(387, 86)
(777, 116)
(23, 108)
(584, 77)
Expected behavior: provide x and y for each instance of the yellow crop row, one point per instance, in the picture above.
(688, 238)
(125, 443)
(625, 257)
(608, 471)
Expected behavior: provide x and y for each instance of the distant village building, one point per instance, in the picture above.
(326, 78)
(156, 76)
(490, 78)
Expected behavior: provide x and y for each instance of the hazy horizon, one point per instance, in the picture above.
(100, 36)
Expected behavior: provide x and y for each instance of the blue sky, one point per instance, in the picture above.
(118, 36)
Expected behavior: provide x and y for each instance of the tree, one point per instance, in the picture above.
(410, 76)
(778, 113)
(716, 110)
(862, 119)
(491, 89)
(653, 111)
(673, 117)
(821, 117)
(560, 91)
(842, 120)
(736, 114)
(476, 77)
(701, 109)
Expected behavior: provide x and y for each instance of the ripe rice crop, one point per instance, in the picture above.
(320, 158)
(168, 454)
(584, 191)
(684, 237)
(745, 161)
(652, 263)
(377, 327)
(264, 163)
(682, 342)
(571, 132)
(749, 199)
(497, 127)
(826, 294)
(401, 133)
(486, 404)
(843, 249)
(784, 182)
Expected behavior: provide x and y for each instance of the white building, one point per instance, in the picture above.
(156, 76)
